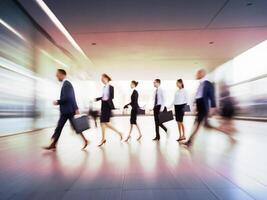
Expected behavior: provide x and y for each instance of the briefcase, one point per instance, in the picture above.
(187, 108)
(81, 123)
(141, 111)
(165, 116)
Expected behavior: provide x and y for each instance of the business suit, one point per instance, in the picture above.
(134, 105)
(159, 106)
(204, 100)
(106, 107)
(106, 103)
(67, 106)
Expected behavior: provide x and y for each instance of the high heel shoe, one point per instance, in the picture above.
(181, 139)
(103, 142)
(127, 139)
(139, 137)
(85, 144)
(121, 137)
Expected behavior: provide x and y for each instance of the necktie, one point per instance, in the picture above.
(156, 98)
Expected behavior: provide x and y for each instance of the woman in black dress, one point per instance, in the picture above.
(106, 107)
(134, 111)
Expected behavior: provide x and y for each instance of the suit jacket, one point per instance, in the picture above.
(110, 98)
(134, 100)
(67, 102)
(209, 95)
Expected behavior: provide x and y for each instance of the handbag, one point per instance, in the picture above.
(165, 116)
(187, 108)
(81, 123)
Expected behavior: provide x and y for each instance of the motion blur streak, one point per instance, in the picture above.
(60, 26)
(11, 29)
(29, 59)
(246, 76)
(51, 57)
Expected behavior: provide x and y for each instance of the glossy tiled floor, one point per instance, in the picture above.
(213, 169)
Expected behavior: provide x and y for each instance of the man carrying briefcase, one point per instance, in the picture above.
(159, 106)
(68, 108)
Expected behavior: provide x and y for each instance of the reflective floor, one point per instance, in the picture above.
(212, 169)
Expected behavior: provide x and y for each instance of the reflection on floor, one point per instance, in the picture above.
(213, 169)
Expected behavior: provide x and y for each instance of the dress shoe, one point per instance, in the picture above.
(156, 139)
(51, 147)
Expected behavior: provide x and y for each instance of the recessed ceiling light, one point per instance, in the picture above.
(249, 4)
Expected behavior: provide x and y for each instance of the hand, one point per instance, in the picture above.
(55, 103)
(77, 112)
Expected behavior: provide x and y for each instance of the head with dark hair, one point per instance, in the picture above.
(105, 78)
(134, 84)
(157, 83)
(180, 83)
(61, 74)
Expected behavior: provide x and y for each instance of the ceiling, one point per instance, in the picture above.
(145, 39)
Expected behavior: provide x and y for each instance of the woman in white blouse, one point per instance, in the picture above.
(179, 102)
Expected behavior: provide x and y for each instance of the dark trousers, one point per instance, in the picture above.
(60, 124)
(202, 117)
(202, 111)
(156, 119)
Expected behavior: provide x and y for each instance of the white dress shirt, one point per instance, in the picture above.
(200, 89)
(160, 98)
(105, 95)
(180, 97)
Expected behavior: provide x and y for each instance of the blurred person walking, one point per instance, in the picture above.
(134, 111)
(93, 113)
(227, 105)
(68, 108)
(205, 98)
(179, 102)
(106, 107)
(159, 106)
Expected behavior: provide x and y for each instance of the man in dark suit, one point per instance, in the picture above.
(205, 98)
(68, 108)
